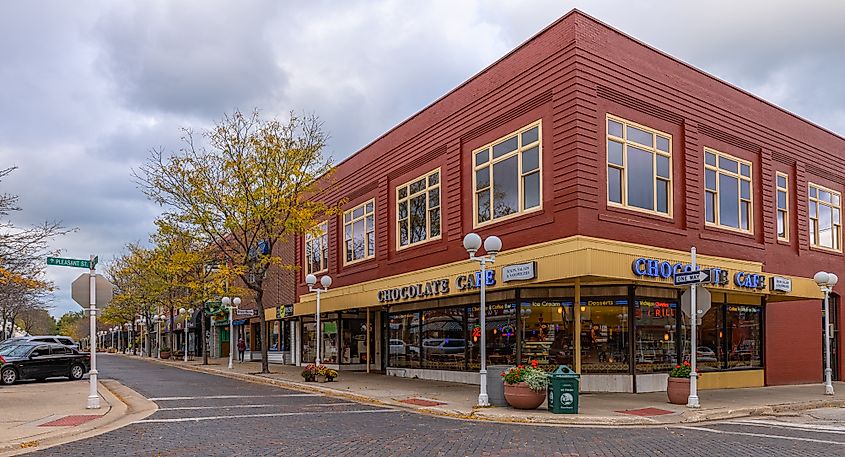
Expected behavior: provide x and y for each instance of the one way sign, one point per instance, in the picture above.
(693, 277)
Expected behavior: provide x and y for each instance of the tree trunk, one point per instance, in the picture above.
(265, 365)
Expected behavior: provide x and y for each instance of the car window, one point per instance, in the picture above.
(59, 350)
(44, 340)
(66, 341)
(15, 350)
(40, 351)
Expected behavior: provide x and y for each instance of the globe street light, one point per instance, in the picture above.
(231, 303)
(826, 281)
(325, 281)
(472, 243)
(188, 313)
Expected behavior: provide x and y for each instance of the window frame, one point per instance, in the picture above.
(810, 219)
(624, 167)
(740, 178)
(407, 198)
(351, 222)
(778, 209)
(324, 237)
(521, 175)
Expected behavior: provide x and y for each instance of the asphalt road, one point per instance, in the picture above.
(206, 415)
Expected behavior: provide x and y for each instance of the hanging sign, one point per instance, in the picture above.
(519, 272)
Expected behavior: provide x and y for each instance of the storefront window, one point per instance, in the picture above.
(330, 348)
(604, 336)
(275, 335)
(354, 337)
(501, 335)
(709, 334)
(404, 344)
(744, 336)
(256, 330)
(655, 342)
(443, 339)
(547, 332)
(309, 342)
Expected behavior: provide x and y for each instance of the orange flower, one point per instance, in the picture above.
(534, 364)
(677, 366)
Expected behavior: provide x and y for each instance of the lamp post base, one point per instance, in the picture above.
(483, 400)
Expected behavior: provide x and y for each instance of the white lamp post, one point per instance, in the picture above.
(187, 313)
(160, 321)
(472, 243)
(325, 281)
(826, 281)
(231, 303)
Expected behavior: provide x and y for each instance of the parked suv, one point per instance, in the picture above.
(52, 339)
(34, 360)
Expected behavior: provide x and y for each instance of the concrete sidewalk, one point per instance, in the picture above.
(459, 400)
(38, 415)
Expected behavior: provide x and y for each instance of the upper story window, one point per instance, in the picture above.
(639, 167)
(418, 210)
(825, 222)
(727, 191)
(507, 175)
(782, 184)
(359, 239)
(317, 249)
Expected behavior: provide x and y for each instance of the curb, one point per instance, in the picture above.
(483, 414)
(124, 407)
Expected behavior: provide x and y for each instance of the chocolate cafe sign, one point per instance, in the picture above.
(436, 287)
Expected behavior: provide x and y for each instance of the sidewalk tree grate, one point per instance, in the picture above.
(421, 402)
(70, 421)
(645, 412)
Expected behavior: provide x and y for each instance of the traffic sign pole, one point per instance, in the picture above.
(692, 401)
(93, 397)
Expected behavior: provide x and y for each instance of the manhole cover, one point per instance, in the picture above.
(645, 412)
(70, 421)
(421, 402)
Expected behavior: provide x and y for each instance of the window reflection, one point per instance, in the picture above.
(501, 335)
(655, 342)
(604, 336)
(404, 343)
(443, 339)
(547, 332)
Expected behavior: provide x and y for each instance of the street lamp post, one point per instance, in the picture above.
(826, 281)
(188, 313)
(160, 320)
(231, 303)
(325, 281)
(472, 243)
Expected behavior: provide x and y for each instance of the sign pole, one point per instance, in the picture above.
(93, 397)
(692, 401)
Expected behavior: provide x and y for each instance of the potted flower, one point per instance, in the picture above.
(678, 387)
(525, 387)
(165, 352)
(309, 373)
(325, 374)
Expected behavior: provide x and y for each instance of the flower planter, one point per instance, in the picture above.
(165, 355)
(678, 390)
(320, 378)
(309, 378)
(520, 396)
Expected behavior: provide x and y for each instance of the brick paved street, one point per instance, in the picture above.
(205, 415)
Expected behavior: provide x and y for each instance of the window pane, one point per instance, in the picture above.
(662, 196)
(614, 152)
(358, 239)
(662, 143)
(614, 128)
(434, 220)
(483, 199)
(532, 190)
(349, 250)
(781, 225)
(371, 245)
(824, 195)
(348, 231)
(655, 338)
(547, 332)
(745, 210)
(505, 187)
(835, 216)
(825, 227)
(347, 217)
(614, 184)
(434, 198)
(443, 339)
(505, 147)
(710, 179)
(728, 164)
(728, 201)
(404, 346)
(709, 353)
(813, 207)
(813, 192)
(745, 170)
(835, 200)
(403, 210)
(418, 209)
(662, 166)
(813, 227)
(403, 192)
(358, 212)
(370, 206)
(403, 233)
(709, 206)
(640, 136)
(640, 178)
(781, 200)
(530, 136)
(500, 335)
(481, 157)
(744, 336)
(710, 158)
(604, 337)
(531, 159)
(482, 178)
(745, 187)
(417, 186)
(782, 181)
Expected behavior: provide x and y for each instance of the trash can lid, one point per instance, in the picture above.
(563, 371)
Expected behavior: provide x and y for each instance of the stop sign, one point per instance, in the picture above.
(80, 290)
(702, 301)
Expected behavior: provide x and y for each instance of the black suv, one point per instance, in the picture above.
(31, 360)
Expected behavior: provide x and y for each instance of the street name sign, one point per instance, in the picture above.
(693, 277)
(63, 262)
(80, 290)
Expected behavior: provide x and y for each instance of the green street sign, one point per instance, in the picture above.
(62, 262)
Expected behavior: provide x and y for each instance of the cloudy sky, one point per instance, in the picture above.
(87, 88)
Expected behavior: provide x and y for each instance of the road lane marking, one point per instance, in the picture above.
(759, 435)
(217, 397)
(191, 408)
(243, 416)
(820, 428)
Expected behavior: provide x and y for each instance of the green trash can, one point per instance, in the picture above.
(563, 391)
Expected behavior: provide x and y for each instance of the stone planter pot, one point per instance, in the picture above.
(165, 355)
(309, 378)
(320, 378)
(520, 396)
(678, 390)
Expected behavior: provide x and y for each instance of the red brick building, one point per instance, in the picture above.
(599, 161)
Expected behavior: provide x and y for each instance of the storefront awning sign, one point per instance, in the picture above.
(781, 284)
(519, 272)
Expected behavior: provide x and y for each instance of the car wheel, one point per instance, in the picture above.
(8, 376)
(76, 372)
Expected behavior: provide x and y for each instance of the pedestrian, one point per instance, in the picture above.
(241, 349)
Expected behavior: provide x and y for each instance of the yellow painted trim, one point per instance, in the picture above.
(732, 379)
(593, 260)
